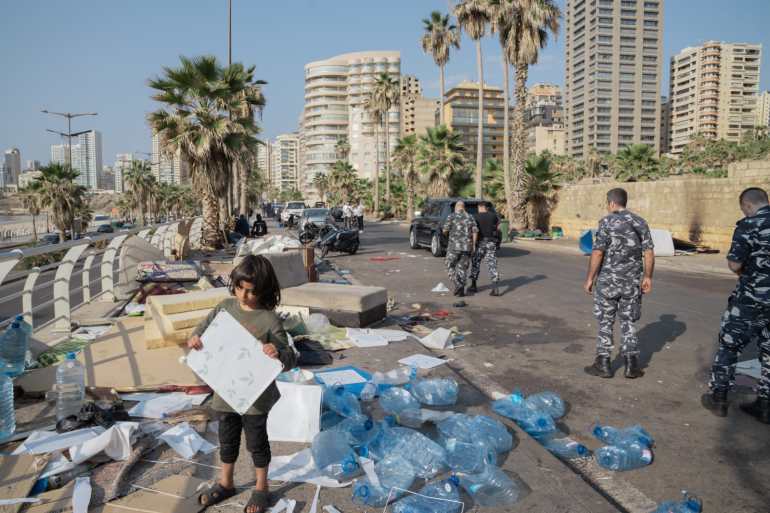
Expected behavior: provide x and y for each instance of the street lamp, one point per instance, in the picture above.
(69, 134)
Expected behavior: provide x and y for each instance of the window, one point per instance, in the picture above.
(649, 58)
(629, 22)
(650, 23)
(605, 39)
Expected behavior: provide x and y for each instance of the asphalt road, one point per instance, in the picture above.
(541, 334)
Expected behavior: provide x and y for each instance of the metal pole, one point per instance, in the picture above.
(69, 138)
(229, 32)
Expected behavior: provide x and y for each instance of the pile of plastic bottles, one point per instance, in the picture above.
(627, 448)
(688, 504)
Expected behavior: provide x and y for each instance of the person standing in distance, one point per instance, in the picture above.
(488, 224)
(620, 271)
(747, 317)
(358, 213)
(463, 233)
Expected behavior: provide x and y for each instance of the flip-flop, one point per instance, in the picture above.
(215, 495)
(260, 499)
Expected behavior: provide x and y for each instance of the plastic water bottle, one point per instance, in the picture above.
(494, 431)
(397, 399)
(333, 456)
(565, 447)
(397, 376)
(416, 418)
(7, 413)
(359, 429)
(547, 402)
(689, 504)
(395, 475)
(470, 457)
(618, 436)
(491, 487)
(329, 419)
(437, 497)
(368, 392)
(70, 387)
(13, 350)
(426, 456)
(339, 400)
(434, 392)
(630, 456)
(27, 329)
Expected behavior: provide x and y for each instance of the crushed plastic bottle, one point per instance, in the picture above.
(434, 391)
(564, 446)
(619, 436)
(333, 456)
(7, 412)
(491, 487)
(359, 429)
(688, 504)
(630, 456)
(536, 423)
(13, 350)
(339, 400)
(329, 419)
(511, 406)
(547, 402)
(397, 376)
(70, 387)
(426, 456)
(368, 392)
(397, 399)
(416, 418)
(437, 497)
(470, 457)
(395, 475)
(468, 429)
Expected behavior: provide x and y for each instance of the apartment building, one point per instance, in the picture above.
(417, 112)
(284, 162)
(763, 110)
(544, 119)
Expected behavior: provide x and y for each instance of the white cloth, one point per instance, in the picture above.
(358, 211)
(115, 443)
(186, 441)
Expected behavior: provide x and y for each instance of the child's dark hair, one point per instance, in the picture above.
(258, 271)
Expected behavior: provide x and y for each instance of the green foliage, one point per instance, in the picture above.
(290, 195)
(439, 159)
(636, 162)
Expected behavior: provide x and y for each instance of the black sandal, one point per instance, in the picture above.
(260, 499)
(215, 495)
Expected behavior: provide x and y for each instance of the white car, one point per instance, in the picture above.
(293, 207)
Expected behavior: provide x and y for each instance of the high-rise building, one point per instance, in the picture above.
(32, 165)
(461, 109)
(59, 154)
(763, 109)
(417, 112)
(11, 168)
(665, 125)
(335, 90)
(120, 168)
(613, 69)
(714, 89)
(172, 169)
(264, 160)
(544, 119)
(284, 166)
(86, 158)
(107, 179)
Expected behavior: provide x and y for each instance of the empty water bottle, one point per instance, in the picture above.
(333, 456)
(689, 504)
(426, 456)
(339, 400)
(435, 391)
(618, 436)
(511, 406)
(494, 431)
(394, 474)
(13, 350)
(437, 497)
(564, 447)
(469, 456)
(7, 413)
(368, 392)
(416, 418)
(491, 487)
(630, 456)
(547, 402)
(359, 429)
(329, 419)
(397, 399)
(70, 387)
(397, 376)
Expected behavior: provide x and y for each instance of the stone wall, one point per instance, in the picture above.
(702, 210)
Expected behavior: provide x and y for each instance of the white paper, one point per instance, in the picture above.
(438, 339)
(115, 443)
(40, 442)
(364, 338)
(440, 288)
(750, 368)
(81, 495)
(232, 363)
(340, 377)
(296, 417)
(368, 466)
(56, 465)
(196, 399)
(291, 504)
(279, 506)
(186, 441)
(422, 361)
(25, 500)
(161, 406)
(299, 468)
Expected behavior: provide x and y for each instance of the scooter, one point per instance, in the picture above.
(333, 238)
(309, 233)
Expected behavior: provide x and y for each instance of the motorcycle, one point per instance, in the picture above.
(333, 238)
(309, 233)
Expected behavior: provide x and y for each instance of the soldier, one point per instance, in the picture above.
(747, 317)
(488, 224)
(463, 233)
(621, 243)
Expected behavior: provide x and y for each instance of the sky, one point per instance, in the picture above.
(97, 55)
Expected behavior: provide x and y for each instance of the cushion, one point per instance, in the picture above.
(289, 268)
(331, 296)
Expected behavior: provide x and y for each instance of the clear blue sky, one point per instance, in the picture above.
(96, 55)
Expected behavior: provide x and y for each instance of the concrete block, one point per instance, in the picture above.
(133, 251)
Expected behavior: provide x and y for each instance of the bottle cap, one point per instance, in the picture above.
(15, 325)
(71, 356)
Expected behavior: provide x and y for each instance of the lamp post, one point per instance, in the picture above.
(70, 116)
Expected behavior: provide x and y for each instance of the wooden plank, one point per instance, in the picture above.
(17, 477)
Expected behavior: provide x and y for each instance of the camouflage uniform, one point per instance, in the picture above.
(487, 251)
(460, 226)
(747, 317)
(623, 236)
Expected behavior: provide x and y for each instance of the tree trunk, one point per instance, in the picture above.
(519, 148)
(506, 141)
(441, 98)
(410, 200)
(34, 229)
(211, 236)
(480, 135)
(243, 173)
(376, 169)
(387, 157)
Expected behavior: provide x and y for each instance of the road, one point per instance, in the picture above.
(541, 334)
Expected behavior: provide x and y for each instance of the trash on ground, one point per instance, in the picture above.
(81, 496)
(19, 476)
(688, 504)
(436, 497)
(89, 333)
(186, 441)
(440, 288)
(440, 338)
(491, 488)
(422, 361)
(134, 309)
(299, 468)
(195, 399)
(380, 259)
(162, 271)
(366, 337)
(352, 378)
(161, 406)
(114, 442)
(296, 417)
(397, 399)
(41, 442)
(435, 391)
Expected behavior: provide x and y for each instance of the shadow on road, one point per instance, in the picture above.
(654, 336)
(515, 283)
(504, 252)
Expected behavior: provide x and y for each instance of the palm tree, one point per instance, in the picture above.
(141, 181)
(373, 106)
(342, 180)
(438, 158)
(635, 162)
(473, 17)
(405, 158)
(342, 148)
(540, 187)
(321, 183)
(59, 192)
(440, 35)
(30, 199)
(207, 115)
(388, 92)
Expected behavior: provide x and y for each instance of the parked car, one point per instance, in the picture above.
(319, 204)
(426, 229)
(293, 207)
(318, 216)
(105, 228)
(48, 238)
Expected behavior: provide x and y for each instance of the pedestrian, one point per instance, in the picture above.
(463, 233)
(620, 271)
(486, 250)
(747, 317)
(242, 226)
(347, 215)
(358, 212)
(257, 293)
(259, 228)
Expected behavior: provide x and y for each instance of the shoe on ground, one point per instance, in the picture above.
(633, 370)
(600, 368)
(715, 402)
(473, 288)
(459, 292)
(495, 292)
(759, 409)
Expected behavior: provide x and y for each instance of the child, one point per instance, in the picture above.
(257, 293)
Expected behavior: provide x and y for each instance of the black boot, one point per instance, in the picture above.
(632, 367)
(601, 367)
(715, 402)
(495, 291)
(459, 291)
(472, 289)
(760, 409)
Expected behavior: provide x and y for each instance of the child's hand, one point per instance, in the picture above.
(270, 350)
(194, 342)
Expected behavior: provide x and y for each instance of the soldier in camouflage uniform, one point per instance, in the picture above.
(486, 250)
(747, 317)
(463, 232)
(622, 262)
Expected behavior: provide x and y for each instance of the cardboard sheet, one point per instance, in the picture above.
(177, 494)
(54, 501)
(422, 361)
(17, 476)
(232, 363)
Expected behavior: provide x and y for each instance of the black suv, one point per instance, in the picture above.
(426, 229)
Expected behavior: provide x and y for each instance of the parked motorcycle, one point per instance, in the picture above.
(333, 238)
(309, 233)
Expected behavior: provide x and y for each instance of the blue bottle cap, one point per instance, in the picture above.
(19, 318)
(15, 325)
(71, 356)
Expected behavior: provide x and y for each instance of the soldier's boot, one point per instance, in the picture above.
(715, 402)
(472, 289)
(459, 291)
(632, 367)
(495, 291)
(760, 409)
(601, 367)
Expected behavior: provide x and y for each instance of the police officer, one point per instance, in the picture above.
(620, 271)
(486, 250)
(747, 317)
(463, 233)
